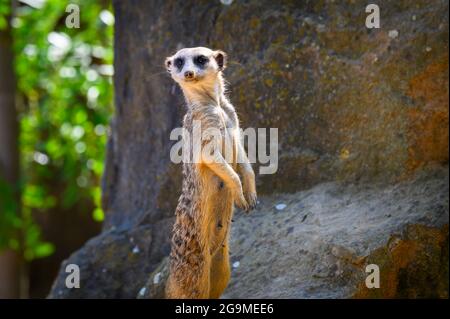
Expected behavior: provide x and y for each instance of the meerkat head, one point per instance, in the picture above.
(193, 67)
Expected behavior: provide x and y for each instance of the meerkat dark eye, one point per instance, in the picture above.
(201, 60)
(179, 63)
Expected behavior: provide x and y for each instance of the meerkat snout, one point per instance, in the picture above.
(195, 65)
(189, 74)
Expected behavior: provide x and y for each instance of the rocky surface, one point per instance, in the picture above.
(352, 106)
(350, 103)
(319, 245)
(115, 264)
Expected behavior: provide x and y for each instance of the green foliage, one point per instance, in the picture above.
(9, 221)
(65, 80)
(4, 12)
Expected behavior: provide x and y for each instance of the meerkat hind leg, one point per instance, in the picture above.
(220, 272)
(189, 283)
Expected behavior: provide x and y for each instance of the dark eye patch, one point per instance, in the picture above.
(179, 62)
(201, 61)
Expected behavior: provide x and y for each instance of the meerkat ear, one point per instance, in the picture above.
(168, 63)
(221, 59)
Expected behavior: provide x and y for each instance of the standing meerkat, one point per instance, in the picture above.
(199, 258)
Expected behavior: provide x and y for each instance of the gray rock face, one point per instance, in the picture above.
(349, 103)
(352, 105)
(319, 244)
(116, 263)
(313, 247)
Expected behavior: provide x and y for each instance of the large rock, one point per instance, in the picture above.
(319, 245)
(116, 263)
(351, 105)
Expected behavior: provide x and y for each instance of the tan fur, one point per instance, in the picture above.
(199, 259)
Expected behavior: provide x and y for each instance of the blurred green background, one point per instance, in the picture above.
(63, 98)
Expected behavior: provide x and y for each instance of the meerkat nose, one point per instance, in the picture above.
(189, 74)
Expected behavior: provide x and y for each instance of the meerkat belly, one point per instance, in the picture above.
(217, 197)
(217, 209)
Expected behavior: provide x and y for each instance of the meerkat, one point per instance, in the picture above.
(199, 258)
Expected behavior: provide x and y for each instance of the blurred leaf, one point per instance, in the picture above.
(44, 250)
(98, 215)
(67, 93)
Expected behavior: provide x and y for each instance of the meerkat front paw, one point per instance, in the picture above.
(251, 198)
(250, 190)
(240, 200)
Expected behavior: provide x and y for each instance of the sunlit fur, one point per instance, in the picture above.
(199, 259)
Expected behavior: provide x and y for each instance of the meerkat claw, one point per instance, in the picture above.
(252, 200)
